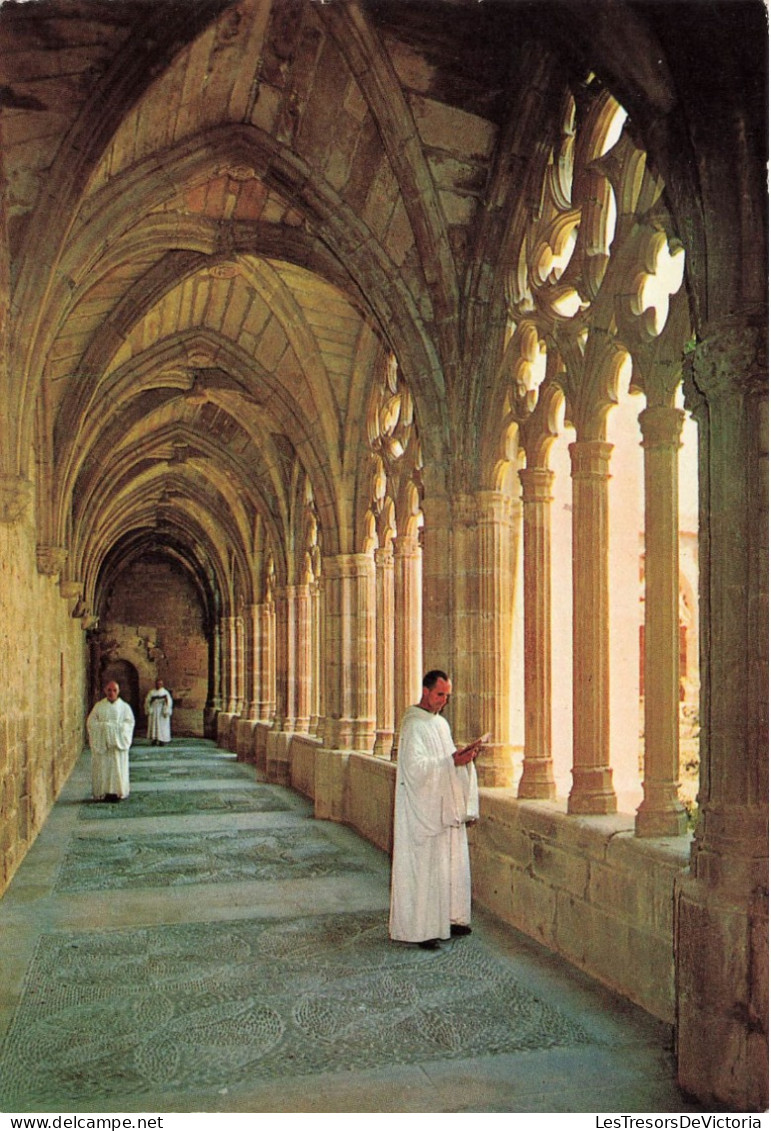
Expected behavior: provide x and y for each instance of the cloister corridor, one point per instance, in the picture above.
(206, 946)
(343, 340)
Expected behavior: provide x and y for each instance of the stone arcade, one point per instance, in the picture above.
(317, 324)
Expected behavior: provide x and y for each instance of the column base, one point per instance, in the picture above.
(537, 781)
(495, 766)
(658, 821)
(592, 793)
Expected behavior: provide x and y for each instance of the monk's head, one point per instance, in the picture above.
(437, 688)
(112, 690)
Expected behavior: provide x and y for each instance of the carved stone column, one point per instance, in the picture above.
(277, 755)
(282, 657)
(214, 691)
(266, 663)
(464, 665)
(496, 571)
(315, 613)
(349, 587)
(229, 664)
(239, 664)
(252, 663)
(537, 779)
(228, 669)
(408, 621)
(437, 632)
(300, 660)
(592, 790)
(384, 602)
(349, 676)
(321, 674)
(722, 907)
(661, 813)
(247, 721)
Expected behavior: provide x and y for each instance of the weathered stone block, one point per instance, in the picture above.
(558, 868)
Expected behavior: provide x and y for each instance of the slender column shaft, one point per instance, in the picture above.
(408, 622)
(495, 568)
(661, 813)
(321, 606)
(349, 587)
(301, 674)
(266, 682)
(229, 664)
(384, 598)
(282, 658)
(592, 790)
(537, 779)
(437, 598)
(315, 629)
(252, 661)
(239, 664)
(215, 676)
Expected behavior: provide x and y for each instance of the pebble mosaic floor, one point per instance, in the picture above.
(208, 946)
(221, 857)
(227, 1004)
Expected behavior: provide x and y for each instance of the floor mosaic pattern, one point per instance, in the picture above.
(107, 1013)
(150, 771)
(178, 803)
(109, 863)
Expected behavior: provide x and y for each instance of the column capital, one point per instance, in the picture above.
(590, 458)
(496, 506)
(15, 498)
(537, 483)
(661, 426)
(731, 358)
(384, 556)
(338, 566)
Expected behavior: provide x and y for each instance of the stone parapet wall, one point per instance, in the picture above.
(586, 888)
(42, 696)
(371, 783)
(302, 754)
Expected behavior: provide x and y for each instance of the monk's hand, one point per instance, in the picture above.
(467, 753)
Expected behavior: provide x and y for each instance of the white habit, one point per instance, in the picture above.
(110, 731)
(158, 708)
(430, 873)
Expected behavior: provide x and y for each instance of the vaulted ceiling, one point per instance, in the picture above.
(224, 217)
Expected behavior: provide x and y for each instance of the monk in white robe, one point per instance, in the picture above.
(436, 795)
(110, 731)
(158, 708)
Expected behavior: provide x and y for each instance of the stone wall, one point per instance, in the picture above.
(586, 888)
(42, 696)
(371, 783)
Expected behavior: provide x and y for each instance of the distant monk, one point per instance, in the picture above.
(110, 731)
(158, 708)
